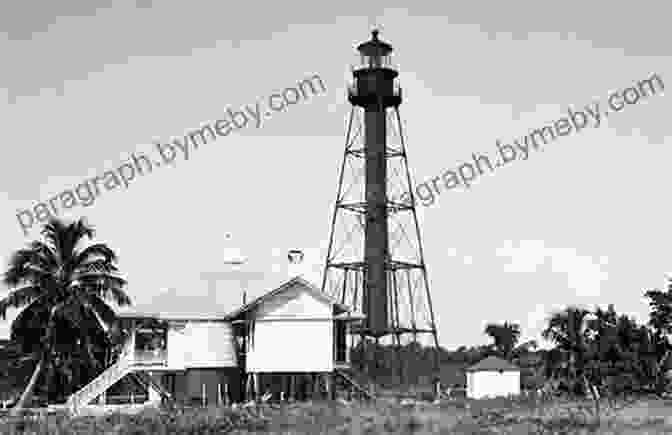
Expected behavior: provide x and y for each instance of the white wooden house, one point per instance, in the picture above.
(270, 344)
(492, 377)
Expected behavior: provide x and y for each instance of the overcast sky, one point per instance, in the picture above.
(586, 221)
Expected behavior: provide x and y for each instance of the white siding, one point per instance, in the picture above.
(293, 332)
(492, 384)
(176, 345)
(201, 345)
(291, 346)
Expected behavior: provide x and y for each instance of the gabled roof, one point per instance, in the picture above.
(314, 291)
(492, 363)
(171, 305)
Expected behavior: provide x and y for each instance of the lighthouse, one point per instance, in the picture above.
(375, 262)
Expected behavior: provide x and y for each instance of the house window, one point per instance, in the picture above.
(150, 341)
(168, 382)
(150, 345)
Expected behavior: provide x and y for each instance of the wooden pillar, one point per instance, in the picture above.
(400, 360)
(255, 382)
(248, 387)
(292, 387)
(283, 387)
(328, 383)
(314, 380)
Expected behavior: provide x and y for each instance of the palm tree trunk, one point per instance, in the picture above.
(595, 396)
(28, 392)
(660, 373)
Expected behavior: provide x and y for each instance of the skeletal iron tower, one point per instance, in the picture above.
(375, 262)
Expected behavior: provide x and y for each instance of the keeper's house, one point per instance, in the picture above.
(290, 339)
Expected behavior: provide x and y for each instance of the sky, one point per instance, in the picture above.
(584, 222)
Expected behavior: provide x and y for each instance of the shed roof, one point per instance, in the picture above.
(492, 363)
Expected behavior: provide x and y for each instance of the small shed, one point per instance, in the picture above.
(492, 377)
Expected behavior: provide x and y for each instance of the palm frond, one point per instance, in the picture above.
(96, 251)
(106, 287)
(19, 298)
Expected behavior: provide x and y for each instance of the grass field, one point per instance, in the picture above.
(463, 417)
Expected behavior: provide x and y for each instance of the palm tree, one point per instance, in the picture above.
(569, 330)
(505, 337)
(62, 291)
(525, 348)
(660, 302)
(660, 319)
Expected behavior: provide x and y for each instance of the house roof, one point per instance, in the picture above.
(169, 315)
(492, 363)
(170, 305)
(314, 291)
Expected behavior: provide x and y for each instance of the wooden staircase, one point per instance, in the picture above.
(98, 385)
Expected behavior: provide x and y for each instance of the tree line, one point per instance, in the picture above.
(67, 332)
(598, 351)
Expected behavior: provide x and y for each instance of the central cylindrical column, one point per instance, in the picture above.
(374, 90)
(376, 231)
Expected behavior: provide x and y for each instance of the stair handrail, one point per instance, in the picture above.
(84, 394)
(358, 387)
(124, 361)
